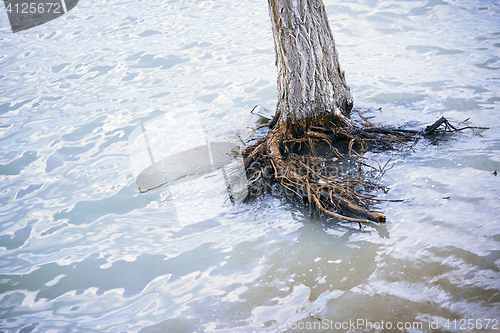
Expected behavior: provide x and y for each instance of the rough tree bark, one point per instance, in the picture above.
(310, 81)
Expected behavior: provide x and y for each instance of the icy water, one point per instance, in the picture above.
(82, 250)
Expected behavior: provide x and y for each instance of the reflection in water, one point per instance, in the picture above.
(272, 281)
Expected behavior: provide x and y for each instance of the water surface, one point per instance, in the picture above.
(81, 250)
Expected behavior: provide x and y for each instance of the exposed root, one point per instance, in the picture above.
(333, 182)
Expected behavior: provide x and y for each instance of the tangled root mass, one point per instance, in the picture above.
(320, 162)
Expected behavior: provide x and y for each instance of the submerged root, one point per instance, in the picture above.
(334, 183)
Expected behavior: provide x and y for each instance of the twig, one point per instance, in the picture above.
(341, 217)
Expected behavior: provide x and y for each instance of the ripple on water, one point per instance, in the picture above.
(84, 251)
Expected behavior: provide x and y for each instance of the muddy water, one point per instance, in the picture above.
(81, 250)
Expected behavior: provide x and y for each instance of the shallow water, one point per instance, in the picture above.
(81, 250)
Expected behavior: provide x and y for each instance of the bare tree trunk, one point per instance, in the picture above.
(314, 103)
(310, 81)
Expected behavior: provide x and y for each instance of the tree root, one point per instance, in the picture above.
(332, 183)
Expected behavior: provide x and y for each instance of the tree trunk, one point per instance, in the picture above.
(314, 104)
(310, 82)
